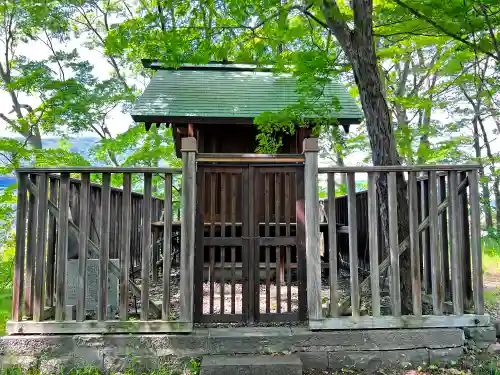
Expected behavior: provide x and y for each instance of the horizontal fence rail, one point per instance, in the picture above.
(53, 233)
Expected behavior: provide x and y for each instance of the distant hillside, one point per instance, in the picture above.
(81, 145)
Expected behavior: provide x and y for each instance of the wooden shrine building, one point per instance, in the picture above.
(248, 229)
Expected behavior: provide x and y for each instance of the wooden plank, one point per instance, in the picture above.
(223, 197)
(426, 256)
(332, 246)
(373, 214)
(394, 244)
(267, 216)
(414, 245)
(465, 245)
(39, 296)
(18, 279)
(84, 220)
(155, 249)
(167, 246)
(455, 253)
(188, 229)
(435, 250)
(353, 243)
(443, 224)
(477, 263)
(212, 234)
(51, 245)
(62, 246)
(93, 169)
(313, 262)
(277, 241)
(146, 245)
(288, 249)
(102, 300)
(400, 168)
(248, 287)
(277, 220)
(301, 243)
(125, 244)
(253, 249)
(233, 249)
(98, 327)
(31, 249)
(199, 258)
(405, 322)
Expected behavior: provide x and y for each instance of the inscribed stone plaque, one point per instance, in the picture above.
(92, 285)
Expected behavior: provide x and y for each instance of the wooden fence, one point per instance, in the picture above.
(38, 304)
(441, 244)
(453, 205)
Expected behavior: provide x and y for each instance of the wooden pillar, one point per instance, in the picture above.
(311, 203)
(188, 149)
(477, 265)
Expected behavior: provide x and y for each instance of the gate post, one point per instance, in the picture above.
(311, 198)
(188, 201)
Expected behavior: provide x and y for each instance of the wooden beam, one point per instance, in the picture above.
(455, 250)
(414, 245)
(332, 244)
(435, 249)
(83, 243)
(125, 244)
(395, 287)
(407, 321)
(146, 246)
(62, 246)
(477, 263)
(18, 280)
(313, 263)
(188, 232)
(102, 300)
(353, 244)
(97, 327)
(167, 247)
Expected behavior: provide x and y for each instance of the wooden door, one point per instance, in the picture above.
(250, 244)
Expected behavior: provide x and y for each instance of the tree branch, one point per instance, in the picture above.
(491, 30)
(444, 30)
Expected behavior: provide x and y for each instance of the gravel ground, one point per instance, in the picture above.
(492, 285)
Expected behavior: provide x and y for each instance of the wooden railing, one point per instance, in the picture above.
(443, 243)
(38, 304)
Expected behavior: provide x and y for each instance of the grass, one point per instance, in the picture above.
(5, 303)
(191, 368)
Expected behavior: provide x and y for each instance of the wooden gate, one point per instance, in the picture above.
(250, 247)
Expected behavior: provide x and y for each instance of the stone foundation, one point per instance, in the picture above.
(363, 349)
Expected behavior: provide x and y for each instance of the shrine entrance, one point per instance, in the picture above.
(250, 255)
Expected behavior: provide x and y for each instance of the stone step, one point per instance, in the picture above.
(251, 365)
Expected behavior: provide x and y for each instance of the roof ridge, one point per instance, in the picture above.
(212, 65)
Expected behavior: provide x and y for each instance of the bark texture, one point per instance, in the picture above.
(359, 47)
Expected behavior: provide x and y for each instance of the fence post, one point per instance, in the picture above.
(311, 201)
(188, 149)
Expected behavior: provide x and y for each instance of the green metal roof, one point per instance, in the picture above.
(228, 92)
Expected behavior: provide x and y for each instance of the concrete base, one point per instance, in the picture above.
(363, 349)
(251, 365)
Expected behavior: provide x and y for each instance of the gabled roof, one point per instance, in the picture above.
(228, 91)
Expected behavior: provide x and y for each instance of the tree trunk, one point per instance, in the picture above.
(359, 47)
(486, 198)
(496, 182)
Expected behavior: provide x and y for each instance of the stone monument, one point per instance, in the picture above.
(92, 286)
